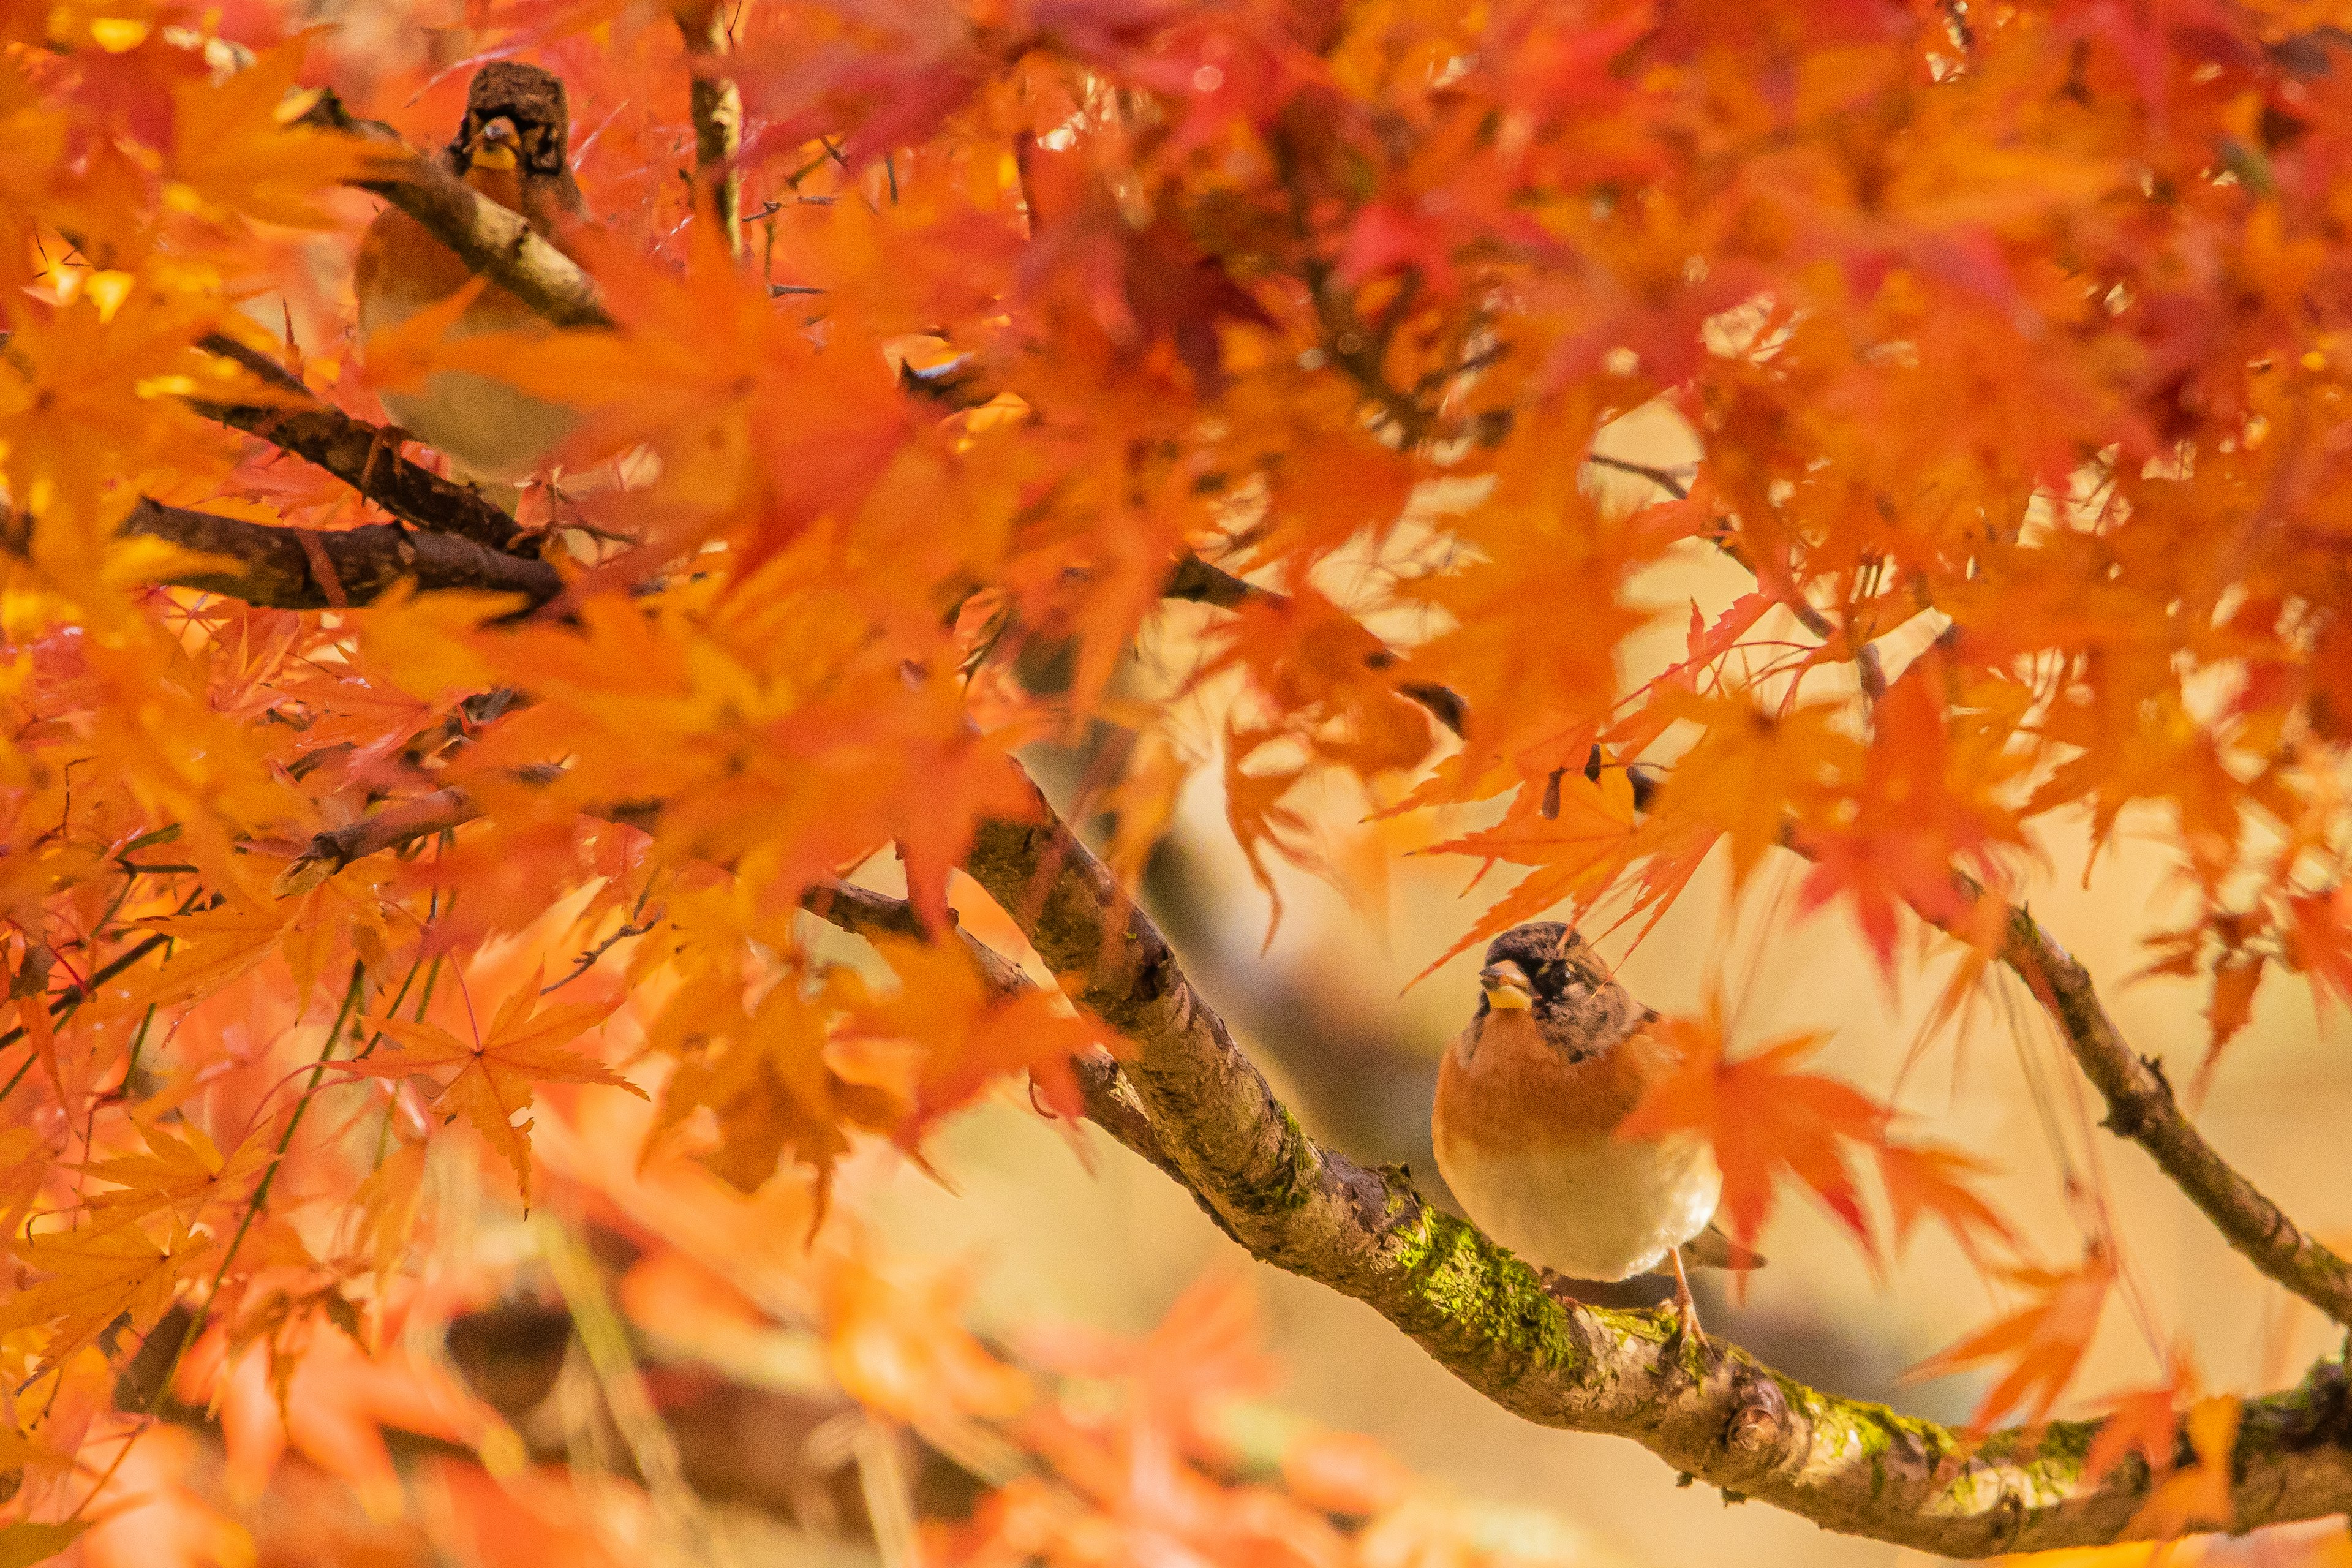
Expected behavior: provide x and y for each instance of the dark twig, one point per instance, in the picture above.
(355, 452)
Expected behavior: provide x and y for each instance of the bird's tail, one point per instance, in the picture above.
(1710, 1248)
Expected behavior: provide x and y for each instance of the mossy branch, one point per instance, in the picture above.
(1717, 1414)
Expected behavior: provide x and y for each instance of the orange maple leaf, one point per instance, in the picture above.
(901, 1349)
(1924, 1179)
(211, 948)
(2198, 1495)
(329, 1400)
(182, 1171)
(2041, 1343)
(2144, 1421)
(970, 1038)
(2319, 940)
(1762, 1118)
(494, 1077)
(94, 1276)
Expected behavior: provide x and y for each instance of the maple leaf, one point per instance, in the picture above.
(93, 1276)
(328, 1405)
(492, 1084)
(969, 1036)
(1929, 1179)
(2039, 1345)
(2199, 1495)
(2146, 1422)
(1762, 1119)
(777, 1082)
(235, 150)
(901, 1348)
(182, 1171)
(2319, 940)
(209, 949)
(1589, 833)
(1750, 767)
(1891, 838)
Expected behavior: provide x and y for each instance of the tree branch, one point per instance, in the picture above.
(2140, 1102)
(1846, 1465)
(489, 238)
(1197, 582)
(1194, 1106)
(304, 569)
(717, 105)
(358, 453)
(2141, 1107)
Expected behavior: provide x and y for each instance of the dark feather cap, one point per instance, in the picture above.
(530, 97)
(1576, 1002)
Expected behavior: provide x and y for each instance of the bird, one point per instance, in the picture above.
(1529, 1097)
(511, 146)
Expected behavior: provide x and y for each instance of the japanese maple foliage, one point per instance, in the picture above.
(2014, 339)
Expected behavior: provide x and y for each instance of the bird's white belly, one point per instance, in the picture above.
(489, 429)
(1596, 1209)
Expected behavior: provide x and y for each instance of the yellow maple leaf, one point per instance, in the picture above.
(492, 1084)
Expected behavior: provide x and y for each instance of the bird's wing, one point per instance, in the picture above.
(1710, 1248)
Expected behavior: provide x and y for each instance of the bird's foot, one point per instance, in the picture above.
(1687, 1329)
(387, 439)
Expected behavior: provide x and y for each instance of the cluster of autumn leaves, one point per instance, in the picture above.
(2011, 340)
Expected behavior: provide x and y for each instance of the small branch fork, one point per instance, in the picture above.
(2141, 1107)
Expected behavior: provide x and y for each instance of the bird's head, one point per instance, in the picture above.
(1546, 969)
(516, 117)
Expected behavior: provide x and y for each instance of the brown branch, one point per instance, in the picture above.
(1716, 1414)
(2141, 1107)
(717, 105)
(304, 569)
(1196, 582)
(361, 454)
(397, 824)
(491, 239)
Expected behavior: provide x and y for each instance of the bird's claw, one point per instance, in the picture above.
(1687, 1329)
(387, 437)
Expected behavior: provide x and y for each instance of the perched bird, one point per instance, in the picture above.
(1528, 1100)
(511, 147)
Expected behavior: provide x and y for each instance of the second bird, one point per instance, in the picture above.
(511, 147)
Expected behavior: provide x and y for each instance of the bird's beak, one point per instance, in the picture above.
(1506, 985)
(495, 144)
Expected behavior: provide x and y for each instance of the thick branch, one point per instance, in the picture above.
(2141, 1107)
(359, 454)
(717, 105)
(302, 569)
(491, 239)
(1846, 1465)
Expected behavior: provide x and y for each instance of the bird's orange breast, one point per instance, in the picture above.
(1510, 1092)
